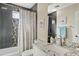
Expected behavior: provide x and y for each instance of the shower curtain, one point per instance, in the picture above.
(26, 30)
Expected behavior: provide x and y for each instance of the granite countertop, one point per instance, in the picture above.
(53, 49)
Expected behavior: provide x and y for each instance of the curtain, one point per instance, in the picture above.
(26, 30)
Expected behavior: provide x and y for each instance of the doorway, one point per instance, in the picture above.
(52, 25)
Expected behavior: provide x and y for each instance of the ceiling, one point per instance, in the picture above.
(26, 5)
(55, 6)
(51, 6)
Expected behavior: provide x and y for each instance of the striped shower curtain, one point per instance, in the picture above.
(26, 30)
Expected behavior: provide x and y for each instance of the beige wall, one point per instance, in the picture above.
(42, 16)
(69, 12)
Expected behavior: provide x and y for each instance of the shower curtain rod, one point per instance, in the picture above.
(16, 6)
(8, 4)
(20, 7)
